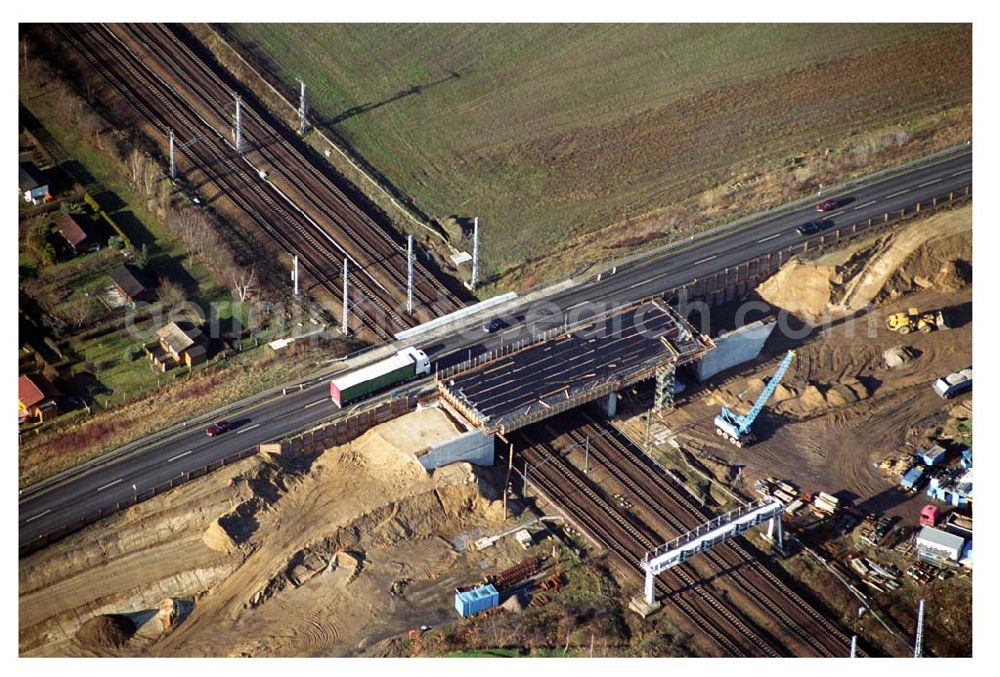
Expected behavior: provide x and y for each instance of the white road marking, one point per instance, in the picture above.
(902, 192)
(109, 484)
(243, 430)
(769, 237)
(705, 260)
(867, 204)
(41, 514)
(964, 171)
(180, 455)
(840, 213)
(313, 404)
(928, 183)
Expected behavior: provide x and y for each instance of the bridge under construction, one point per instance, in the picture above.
(576, 364)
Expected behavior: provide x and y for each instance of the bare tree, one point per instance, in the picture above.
(170, 293)
(244, 284)
(79, 311)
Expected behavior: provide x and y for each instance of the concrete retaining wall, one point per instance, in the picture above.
(473, 446)
(738, 346)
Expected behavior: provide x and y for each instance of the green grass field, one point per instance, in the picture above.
(548, 132)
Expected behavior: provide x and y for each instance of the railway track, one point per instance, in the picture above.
(290, 227)
(675, 513)
(627, 542)
(378, 251)
(656, 491)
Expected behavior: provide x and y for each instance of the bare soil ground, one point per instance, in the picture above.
(274, 557)
(840, 409)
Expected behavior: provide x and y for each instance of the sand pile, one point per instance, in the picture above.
(168, 612)
(944, 264)
(388, 453)
(931, 253)
(217, 538)
(110, 631)
(803, 401)
(897, 356)
(803, 289)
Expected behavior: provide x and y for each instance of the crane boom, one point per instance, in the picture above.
(740, 425)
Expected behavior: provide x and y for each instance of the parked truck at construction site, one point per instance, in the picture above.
(403, 366)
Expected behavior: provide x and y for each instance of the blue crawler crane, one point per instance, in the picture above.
(736, 428)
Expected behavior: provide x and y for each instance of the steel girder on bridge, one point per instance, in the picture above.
(520, 385)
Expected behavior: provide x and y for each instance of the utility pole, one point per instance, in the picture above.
(173, 164)
(854, 646)
(343, 324)
(475, 252)
(409, 274)
(239, 127)
(295, 273)
(918, 645)
(302, 108)
(524, 493)
(506, 486)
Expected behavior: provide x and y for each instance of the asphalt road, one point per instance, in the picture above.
(49, 509)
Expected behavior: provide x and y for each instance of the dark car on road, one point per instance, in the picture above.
(811, 228)
(826, 206)
(496, 324)
(218, 428)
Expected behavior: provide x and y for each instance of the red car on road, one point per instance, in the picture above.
(217, 428)
(826, 205)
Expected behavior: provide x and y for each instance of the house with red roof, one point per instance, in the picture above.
(77, 234)
(37, 399)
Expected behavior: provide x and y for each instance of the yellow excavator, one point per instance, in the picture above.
(914, 320)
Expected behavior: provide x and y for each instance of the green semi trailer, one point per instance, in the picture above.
(404, 365)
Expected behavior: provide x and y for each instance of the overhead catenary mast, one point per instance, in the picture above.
(302, 107)
(173, 163)
(475, 252)
(343, 324)
(409, 274)
(239, 127)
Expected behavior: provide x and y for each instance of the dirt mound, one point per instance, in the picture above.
(513, 603)
(811, 399)
(167, 613)
(217, 538)
(931, 253)
(897, 356)
(388, 453)
(110, 631)
(803, 289)
(943, 264)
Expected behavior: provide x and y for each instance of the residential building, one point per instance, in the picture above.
(37, 399)
(77, 233)
(34, 188)
(131, 283)
(180, 343)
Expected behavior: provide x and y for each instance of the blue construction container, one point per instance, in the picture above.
(967, 458)
(468, 602)
(911, 477)
(931, 457)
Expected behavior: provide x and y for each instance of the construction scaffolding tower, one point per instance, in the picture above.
(663, 396)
